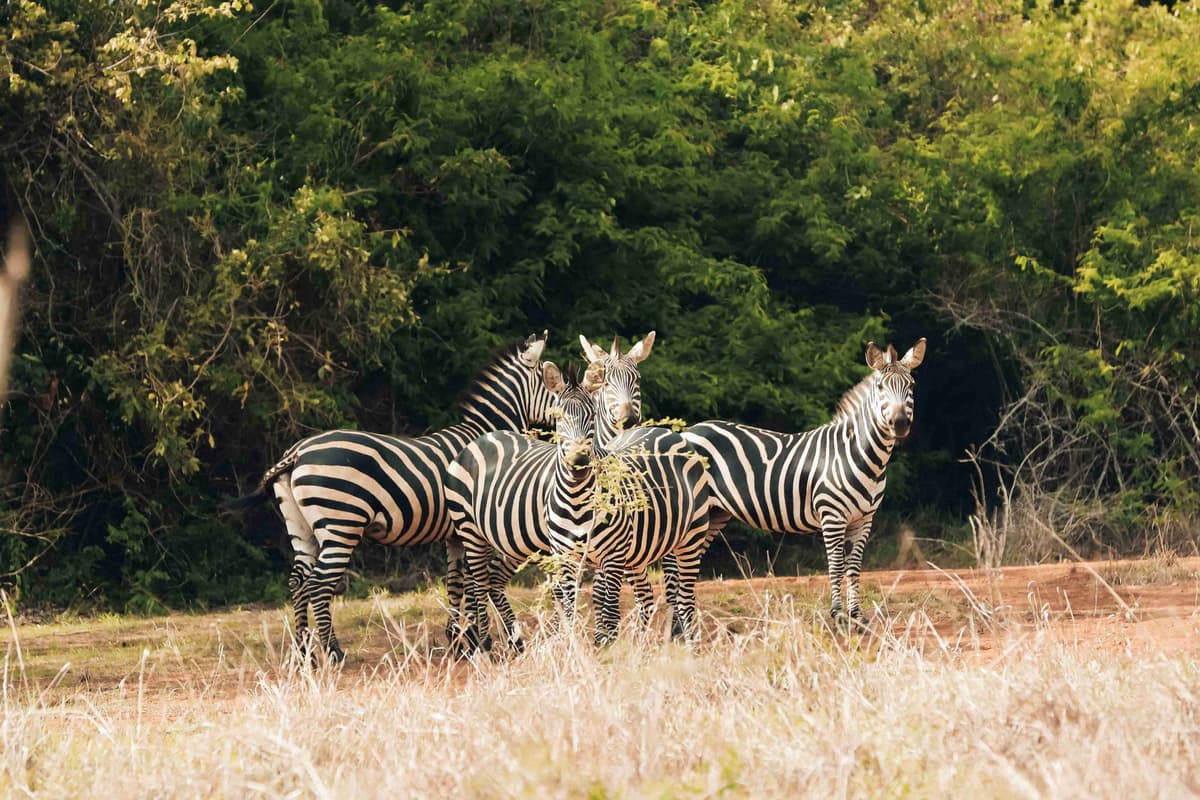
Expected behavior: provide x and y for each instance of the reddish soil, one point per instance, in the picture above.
(1138, 608)
(1132, 607)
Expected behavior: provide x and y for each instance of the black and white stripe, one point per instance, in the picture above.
(619, 400)
(519, 499)
(337, 488)
(828, 480)
(619, 405)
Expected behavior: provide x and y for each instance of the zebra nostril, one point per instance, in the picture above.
(623, 414)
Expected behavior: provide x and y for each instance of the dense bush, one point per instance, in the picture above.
(253, 223)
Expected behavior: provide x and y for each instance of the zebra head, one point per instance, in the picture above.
(575, 410)
(620, 398)
(894, 385)
(533, 398)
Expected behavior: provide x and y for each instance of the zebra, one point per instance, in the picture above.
(618, 406)
(827, 480)
(336, 488)
(619, 399)
(521, 499)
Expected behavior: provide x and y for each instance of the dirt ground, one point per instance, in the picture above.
(1137, 608)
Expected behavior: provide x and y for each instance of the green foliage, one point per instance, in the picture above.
(256, 223)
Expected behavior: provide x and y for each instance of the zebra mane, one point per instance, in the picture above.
(496, 356)
(572, 375)
(851, 402)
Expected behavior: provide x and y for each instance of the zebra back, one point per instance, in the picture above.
(393, 488)
(795, 482)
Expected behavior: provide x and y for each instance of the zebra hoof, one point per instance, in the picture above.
(461, 642)
(336, 656)
(516, 645)
(605, 638)
(841, 620)
(467, 642)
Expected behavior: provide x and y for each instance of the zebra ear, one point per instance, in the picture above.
(552, 377)
(641, 351)
(591, 351)
(530, 353)
(915, 355)
(593, 379)
(876, 358)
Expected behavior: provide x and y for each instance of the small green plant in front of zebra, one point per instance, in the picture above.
(676, 424)
(620, 487)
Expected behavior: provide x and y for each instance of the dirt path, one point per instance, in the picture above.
(1139, 608)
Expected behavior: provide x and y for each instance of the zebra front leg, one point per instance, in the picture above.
(643, 595)
(566, 589)
(857, 538)
(606, 599)
(502, 571)
(834, 531)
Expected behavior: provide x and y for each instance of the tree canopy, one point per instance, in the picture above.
(255, 222)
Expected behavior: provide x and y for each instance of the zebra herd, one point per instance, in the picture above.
(497, 496)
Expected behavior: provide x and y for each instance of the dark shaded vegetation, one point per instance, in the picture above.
(255, 223)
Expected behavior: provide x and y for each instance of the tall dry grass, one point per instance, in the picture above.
(784, 709)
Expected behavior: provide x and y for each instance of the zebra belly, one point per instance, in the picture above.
(675, 493)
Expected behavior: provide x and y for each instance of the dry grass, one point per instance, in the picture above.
(772, 705)
(1157, 570)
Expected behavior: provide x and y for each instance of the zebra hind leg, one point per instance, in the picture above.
(329, 571)
(454, 596)
(502, 572)
(475, 633)
(304, 557)
(298, 588)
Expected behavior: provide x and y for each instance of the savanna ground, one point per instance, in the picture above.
(1055, 680)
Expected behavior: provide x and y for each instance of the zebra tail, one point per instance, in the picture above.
(261, 493)
(256, 497)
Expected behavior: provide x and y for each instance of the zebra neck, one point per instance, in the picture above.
(453, 439)
(569, 495)
(871, 441)
(605, 430)
(482, 415)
